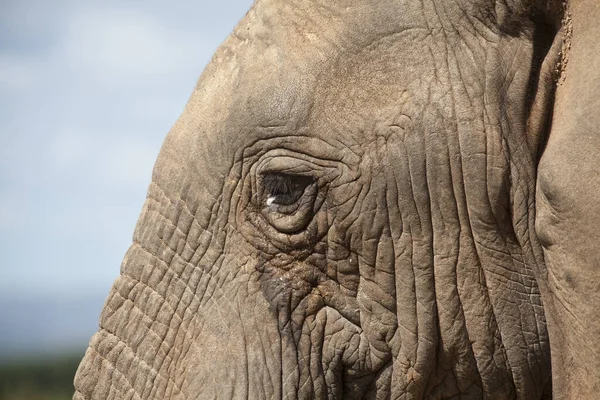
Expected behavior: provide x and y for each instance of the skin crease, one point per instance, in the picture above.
(405, 264)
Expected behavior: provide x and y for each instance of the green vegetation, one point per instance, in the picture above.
(49, 378)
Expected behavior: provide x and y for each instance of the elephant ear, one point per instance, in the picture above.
(567, 210)
(546, 70)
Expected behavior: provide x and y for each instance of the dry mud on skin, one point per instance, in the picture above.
(567, 28)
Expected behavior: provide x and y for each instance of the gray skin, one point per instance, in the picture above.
(346, 209)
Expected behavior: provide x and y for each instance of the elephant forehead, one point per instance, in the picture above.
(290, 63)
(287, 71)
(260, 96)
(391, 80)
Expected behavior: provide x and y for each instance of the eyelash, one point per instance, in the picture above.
(280, 185)
(277, 183)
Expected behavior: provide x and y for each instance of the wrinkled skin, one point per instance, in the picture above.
(345, 209)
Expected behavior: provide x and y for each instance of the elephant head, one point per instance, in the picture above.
(345, 209)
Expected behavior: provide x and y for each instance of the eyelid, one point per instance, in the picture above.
(285, 165)
(302, 165)
(296, 216)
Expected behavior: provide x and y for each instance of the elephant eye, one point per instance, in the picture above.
(284, 190)
(287, 200)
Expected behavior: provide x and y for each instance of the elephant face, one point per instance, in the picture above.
(342, 211)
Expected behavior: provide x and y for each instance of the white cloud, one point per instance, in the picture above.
(112, 160)
(126, 42)
(18, 73)
(130, 160)
(69, 148)
(13, 209)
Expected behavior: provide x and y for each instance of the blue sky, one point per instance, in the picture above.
(88, 91)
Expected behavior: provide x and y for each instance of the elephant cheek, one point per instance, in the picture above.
(235, 353)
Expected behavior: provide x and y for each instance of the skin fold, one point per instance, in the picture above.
(346, 209)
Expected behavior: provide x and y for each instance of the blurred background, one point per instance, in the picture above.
(88, 91)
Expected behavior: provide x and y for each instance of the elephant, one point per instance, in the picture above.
(370, 199)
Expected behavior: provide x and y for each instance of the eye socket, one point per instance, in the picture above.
(287, 201)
